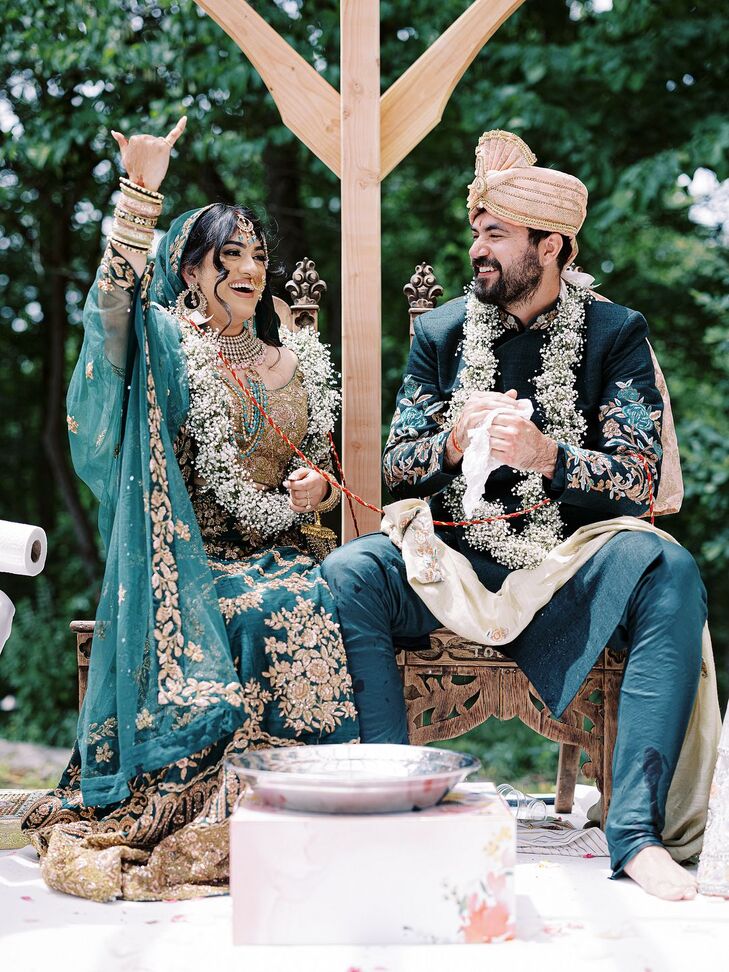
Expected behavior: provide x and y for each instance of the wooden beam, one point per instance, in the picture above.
(361, 277)
(309, 105)
(414, 104)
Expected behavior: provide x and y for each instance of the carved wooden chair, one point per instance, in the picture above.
(454, 685)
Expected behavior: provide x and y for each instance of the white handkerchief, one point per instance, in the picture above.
(477, 462)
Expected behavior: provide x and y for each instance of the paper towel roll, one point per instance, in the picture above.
(7, 612)
(23, 548)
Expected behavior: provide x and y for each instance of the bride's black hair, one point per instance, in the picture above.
(212, 231)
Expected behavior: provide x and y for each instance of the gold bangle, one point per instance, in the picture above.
(129, 246)
(145, 245)
(141, 208)
(128, 235)
(136, 234)
(456, 443)
(133, 219)
(145, 193)
(329, 502)
(138, 197)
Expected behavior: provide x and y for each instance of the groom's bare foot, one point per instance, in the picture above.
(657, 873)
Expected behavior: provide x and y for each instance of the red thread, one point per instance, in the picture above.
(342, 486)
(350, 504)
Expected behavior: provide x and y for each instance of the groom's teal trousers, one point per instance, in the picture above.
(660, 629)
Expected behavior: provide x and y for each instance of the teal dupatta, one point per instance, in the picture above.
(162, 682)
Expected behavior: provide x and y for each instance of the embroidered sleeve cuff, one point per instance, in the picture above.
(417, 468)
(115, 272)
(554, 488)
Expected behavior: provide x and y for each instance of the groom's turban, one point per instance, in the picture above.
(508, 184)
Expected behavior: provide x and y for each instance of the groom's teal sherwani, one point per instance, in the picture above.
(617, 394)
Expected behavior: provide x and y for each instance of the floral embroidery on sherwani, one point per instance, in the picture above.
(628, 428)
(416, 443)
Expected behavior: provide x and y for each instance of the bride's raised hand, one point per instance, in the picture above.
(147, 157)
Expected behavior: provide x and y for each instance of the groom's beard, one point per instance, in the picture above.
(514, 286)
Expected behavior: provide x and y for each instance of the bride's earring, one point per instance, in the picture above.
(190, 301)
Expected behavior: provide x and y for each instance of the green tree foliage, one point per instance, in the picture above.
(627, 98)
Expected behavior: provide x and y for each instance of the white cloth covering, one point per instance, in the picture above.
(478, 463)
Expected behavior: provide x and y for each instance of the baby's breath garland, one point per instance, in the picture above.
(264, 513)
(555, 393)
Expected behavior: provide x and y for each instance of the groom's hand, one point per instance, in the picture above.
(518, 443)
(477, 407)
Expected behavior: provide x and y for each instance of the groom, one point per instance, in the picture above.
(529, 330)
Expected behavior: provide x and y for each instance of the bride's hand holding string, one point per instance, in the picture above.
(306, 488)
(146, 158)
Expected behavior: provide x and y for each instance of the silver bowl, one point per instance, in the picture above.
(352, 778)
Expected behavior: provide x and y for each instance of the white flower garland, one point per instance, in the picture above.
(556, 393)
(264, 513)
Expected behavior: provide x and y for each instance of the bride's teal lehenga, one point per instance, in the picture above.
(211, 637)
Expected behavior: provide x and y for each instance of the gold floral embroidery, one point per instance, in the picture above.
(414, 448)
(121, 594)
(179, 244)
(251, 563)
(630, 428)
(296, 584)
(115, 271)
(98, 732)
(72, 424)
(90, 370)
(194, 652)
(100, 437)
(144, 720)
(230, 606)
(182, 530)
(172, 686)
(309, 689)
(104, 753)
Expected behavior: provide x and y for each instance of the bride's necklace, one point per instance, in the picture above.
(245, 350)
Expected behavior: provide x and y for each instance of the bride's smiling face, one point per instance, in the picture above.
(244, 260)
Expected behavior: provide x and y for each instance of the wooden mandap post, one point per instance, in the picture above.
(361, 280)
(346, 132)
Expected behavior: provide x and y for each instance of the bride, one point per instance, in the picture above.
(215, 631)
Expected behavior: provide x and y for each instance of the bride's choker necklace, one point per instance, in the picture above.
(245, 350)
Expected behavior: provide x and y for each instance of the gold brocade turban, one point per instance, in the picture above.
(508, 184)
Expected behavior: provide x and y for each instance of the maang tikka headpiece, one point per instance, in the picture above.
(247, 234)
